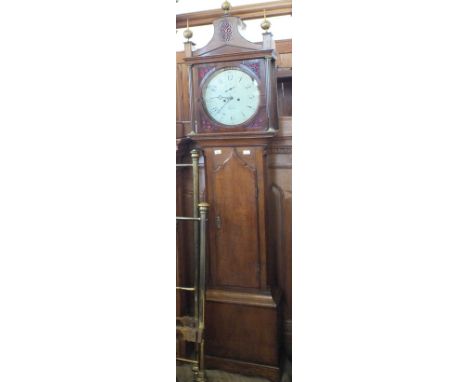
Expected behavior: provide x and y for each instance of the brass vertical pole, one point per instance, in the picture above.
(202, 290)
(196, 233)
(196, 228)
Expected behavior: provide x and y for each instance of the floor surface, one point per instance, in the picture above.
(184, 374)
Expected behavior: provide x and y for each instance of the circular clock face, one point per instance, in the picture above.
(231, 96)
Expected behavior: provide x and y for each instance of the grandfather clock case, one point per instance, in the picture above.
(233, 117)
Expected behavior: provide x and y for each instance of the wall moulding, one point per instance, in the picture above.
(245, 12)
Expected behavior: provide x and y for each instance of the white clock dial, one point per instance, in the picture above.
(231, 96)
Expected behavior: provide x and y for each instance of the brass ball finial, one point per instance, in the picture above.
(188, 33)
(265, 25)
(226, 7)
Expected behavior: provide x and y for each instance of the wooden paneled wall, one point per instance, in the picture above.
(279, 170)
(245, 12)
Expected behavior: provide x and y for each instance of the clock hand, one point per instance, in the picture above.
(219, 97)
(228, 90)
(222, 107)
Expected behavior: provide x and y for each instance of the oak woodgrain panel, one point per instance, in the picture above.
(182, 93)
(284, 60)
(234, 211)
(283, 46)
(281, 199)
(284, 91)
(245, 333)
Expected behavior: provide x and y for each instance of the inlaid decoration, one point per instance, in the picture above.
(225, 29)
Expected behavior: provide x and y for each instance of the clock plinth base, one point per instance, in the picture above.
(272, 373)
(242, 333)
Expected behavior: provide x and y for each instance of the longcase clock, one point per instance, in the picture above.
(234, 116)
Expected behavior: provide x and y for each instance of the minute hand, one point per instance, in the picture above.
(219, 97)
